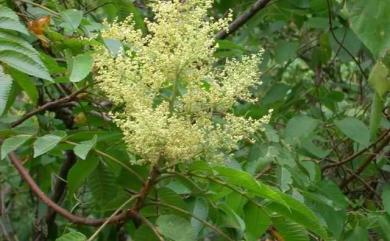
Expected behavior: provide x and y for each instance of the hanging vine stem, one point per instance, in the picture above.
(58, 209)
(132, 213)
(330, 20)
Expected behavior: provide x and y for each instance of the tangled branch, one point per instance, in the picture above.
(243, 18)
(131, 213)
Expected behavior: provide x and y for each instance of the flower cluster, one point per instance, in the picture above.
(175, 101)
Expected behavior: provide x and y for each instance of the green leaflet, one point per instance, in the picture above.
(102, 184)
(300, 127)
(15, 51)
(354, 129)
(5, 89)
(24, 63)
(72, 236)
(281, 203)
(380, 78)
(26, 83)
(371, 23)
(80, 172)
(257, 221)
(71, 20)
(10, 21)
(45, 143)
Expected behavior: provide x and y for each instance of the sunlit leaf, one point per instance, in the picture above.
(354, 129)
(71, 20)
(81, 67)
(82, 149)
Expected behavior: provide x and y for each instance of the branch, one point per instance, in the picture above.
(49, 105)
(147, 187)
(243, 18)
(370, 158)
(367, 185)
(352, 157)
(58, 209)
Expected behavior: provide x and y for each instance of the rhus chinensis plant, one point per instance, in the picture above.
(175, 100)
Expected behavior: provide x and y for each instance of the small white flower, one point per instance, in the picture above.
(176, 102)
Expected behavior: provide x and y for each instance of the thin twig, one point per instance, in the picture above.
(119, 163)
(359, 178)
(97, 7)
(49, 105)
(152, 227)
(370, 159)
(108, 156)
(96, 233)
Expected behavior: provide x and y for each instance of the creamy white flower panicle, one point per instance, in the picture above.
(175, 102)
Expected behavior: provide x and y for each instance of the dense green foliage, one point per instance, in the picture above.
(319, 171)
